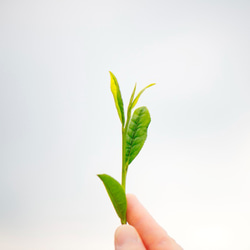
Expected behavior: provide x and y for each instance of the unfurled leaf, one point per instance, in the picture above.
(117, 195)
(115, 89)
(138, 96)
(136, 133)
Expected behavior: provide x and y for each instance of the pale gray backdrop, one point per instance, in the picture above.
(59, 127)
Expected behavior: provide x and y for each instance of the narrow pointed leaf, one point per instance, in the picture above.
(130, 103)
(137, 133)
(117, 195)
(115, 89)
(138, 96)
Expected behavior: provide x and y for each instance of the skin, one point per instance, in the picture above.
(143, 232)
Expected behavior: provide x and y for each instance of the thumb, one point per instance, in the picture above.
(127, 238)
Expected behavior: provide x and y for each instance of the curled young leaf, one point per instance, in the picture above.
(137, 133)
(117, 195)
(139, 94)
(115, 89)
(131, 102)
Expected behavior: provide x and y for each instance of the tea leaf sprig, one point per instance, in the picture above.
(134, 134)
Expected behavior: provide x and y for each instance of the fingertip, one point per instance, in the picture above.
(132, 202)
(151, 233)
(131, 197)
(127, 238)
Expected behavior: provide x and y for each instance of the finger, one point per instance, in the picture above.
(153, 236)
(126, 238)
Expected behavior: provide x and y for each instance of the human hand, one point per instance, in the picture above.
(143, 233)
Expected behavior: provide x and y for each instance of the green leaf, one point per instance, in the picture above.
(115, 89)
(138, 96)
(116, 194)
(130, 104)
(136, 133)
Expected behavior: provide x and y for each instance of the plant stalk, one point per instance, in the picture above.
(124, 169)
(124, 163)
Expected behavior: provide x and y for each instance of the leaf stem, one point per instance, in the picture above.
(124, 161)
(124, 170)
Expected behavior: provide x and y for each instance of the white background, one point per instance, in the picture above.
(59, 127)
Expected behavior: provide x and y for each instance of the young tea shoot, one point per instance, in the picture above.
(134, 134)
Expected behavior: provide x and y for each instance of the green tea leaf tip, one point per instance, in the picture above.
(139, 94)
